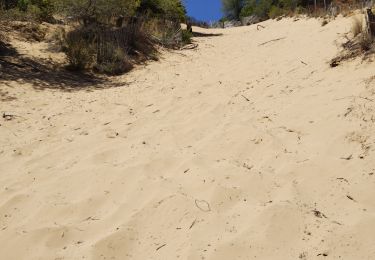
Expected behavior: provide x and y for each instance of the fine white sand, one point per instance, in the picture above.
(233, 150)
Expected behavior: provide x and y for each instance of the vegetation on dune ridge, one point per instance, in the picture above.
(360, 44)
(107, 36)
(265, 9)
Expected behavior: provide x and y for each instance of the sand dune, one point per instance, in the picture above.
(244, 148)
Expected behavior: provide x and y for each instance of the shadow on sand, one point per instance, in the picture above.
(44, 74)
(198, 34)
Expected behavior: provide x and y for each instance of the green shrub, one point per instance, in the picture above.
(80, 50)
(171, 9)
(46, 9)
(186, 37)
(29, 10)
(288, 4)
(23, 5)
(300, 10)
(263, 8)
(14, 14)
(275, 12)
(113, 62)
(232, 8)
(365, 42)
(101, 11)
(248, 8)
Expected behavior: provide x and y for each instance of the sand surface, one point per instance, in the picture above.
(234, 150)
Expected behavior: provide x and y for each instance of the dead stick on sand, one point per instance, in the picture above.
(248, 100)
(161, 247)
(189, 47)
(261, 26)
(366, 98)
(274, 40)
(192, 224)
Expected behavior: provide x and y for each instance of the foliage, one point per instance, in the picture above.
(232, 8)
(248, 8)
(114, 62)
(172, 9)
(37, 10)
(103, 11)
(186, 36)
(275, 12)
(111, 34)
(80, 49)
(263, 8)
(288, 4)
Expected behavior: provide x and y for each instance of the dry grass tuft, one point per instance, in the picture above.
(360, 45)
(357, 26)
(365, 42)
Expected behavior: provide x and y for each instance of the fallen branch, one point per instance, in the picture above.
(348, 158)
(351, 198)
(8, 117)
(248, 100)
(319, 214)
(189, 47)
(274, 40)
(161, 247)
(192, 224)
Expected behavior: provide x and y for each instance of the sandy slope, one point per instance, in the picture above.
(230, 151)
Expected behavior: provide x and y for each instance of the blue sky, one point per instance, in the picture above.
(205, 10)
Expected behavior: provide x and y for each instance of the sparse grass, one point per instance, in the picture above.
(365, 42)
(80, 50)
(186, 37)
(113, 62)
(275, 12)
(107, 50)
(361, 45)
(357, 25)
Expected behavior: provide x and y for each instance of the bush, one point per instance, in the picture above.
(102, 11)
(263, 8)
(232, 8)
(114, 62)
(186, 36)
(288, 4)
(80, 50)
(29, 10)
(171, 9)
(275, 12)
(8, 4)
(365, 42)
(164, 32)
(248, 9)
(23, 5)
(106, 49)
